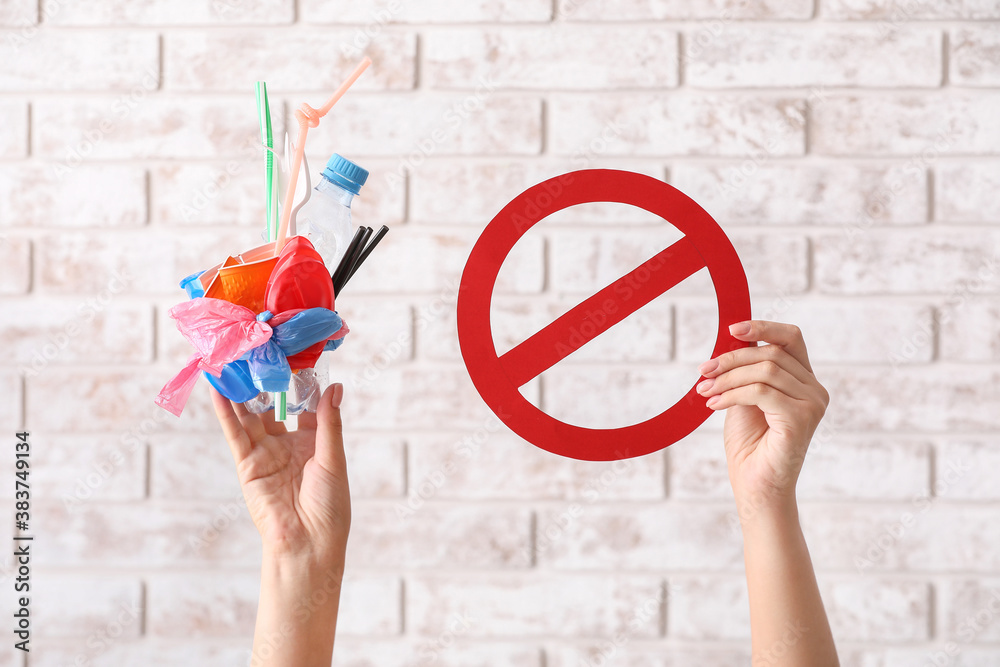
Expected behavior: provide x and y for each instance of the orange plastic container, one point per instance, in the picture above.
(242, 279)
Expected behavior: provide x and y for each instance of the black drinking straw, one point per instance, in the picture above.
(346, 257)
(338, 285)
(371, 246)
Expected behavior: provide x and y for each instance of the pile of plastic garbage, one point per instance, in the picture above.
(261, 319)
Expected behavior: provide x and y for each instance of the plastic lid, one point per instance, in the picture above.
(345, 173)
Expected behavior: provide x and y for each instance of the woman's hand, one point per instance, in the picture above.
(294, 482)
(295, 485)
(774, 405)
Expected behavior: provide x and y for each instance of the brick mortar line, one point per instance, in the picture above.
(813, 23)
(937, 439)
(488, 159)
(799, 92)
(643, 231)
(456, 365)
(540, 503)
(932, 578)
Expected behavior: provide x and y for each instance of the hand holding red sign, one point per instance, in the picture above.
(773, 404)
(498, 378)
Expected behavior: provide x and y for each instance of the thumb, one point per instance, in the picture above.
(330, 431)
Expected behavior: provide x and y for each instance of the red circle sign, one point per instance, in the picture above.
(498, 378)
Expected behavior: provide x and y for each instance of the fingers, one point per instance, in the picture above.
(236, 436)
(252, 424)
(787, 336)
(330, 431)
(272, 426)
(307, 421)
(774, 377)
(745, 356)
(765, 372)
(764, 396)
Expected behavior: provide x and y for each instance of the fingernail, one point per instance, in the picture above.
(338, 395)
(708, 366)
(712, 401)
(740, 329)
(705, 386)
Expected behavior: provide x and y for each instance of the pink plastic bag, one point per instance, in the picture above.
(220, 332)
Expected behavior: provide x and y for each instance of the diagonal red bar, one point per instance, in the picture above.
(600, 312)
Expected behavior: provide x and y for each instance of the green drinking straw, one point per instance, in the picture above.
(281, 406)
(267, 138)
(271, 199)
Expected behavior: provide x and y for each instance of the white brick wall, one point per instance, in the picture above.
(850, 148)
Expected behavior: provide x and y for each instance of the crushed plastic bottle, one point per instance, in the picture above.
(304, 391)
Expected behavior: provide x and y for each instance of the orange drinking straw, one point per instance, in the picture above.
(309, 117)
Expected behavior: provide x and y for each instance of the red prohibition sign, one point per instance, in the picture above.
(498, 378)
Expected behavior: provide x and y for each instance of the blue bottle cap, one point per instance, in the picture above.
(345, 173)
(192, 285)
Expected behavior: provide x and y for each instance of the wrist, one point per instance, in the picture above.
(304, 551)
(770, 506)
(306, 568)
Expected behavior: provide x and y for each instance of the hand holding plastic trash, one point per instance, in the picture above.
(259, 321)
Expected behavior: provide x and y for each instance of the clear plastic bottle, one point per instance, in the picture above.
(326, 218)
